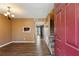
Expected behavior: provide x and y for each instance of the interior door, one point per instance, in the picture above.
(67, 40)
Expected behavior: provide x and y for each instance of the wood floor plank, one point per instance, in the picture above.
(25, 49)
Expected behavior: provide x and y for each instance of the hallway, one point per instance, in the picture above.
(25, 49)
(20, 26)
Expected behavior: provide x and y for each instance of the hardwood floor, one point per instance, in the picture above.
(25, 49)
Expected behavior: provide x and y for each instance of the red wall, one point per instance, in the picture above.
(66, 29)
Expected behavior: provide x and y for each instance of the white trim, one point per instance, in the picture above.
(16, 42)
(23, 41)
(48, 46)
(50, 49)
(5, 44)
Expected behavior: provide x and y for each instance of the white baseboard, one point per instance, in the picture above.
(50, 50)
(16, 42)
(5, 44)
(23, 41)
(48, 46)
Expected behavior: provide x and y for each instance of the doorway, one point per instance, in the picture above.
(51, 38)
(40, 31)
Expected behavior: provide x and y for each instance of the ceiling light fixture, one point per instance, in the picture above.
(9, 13)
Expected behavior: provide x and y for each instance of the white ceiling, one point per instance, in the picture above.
(29, 10)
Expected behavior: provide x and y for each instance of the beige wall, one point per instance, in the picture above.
(5, 30)
(17, 29)
(13, 30)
